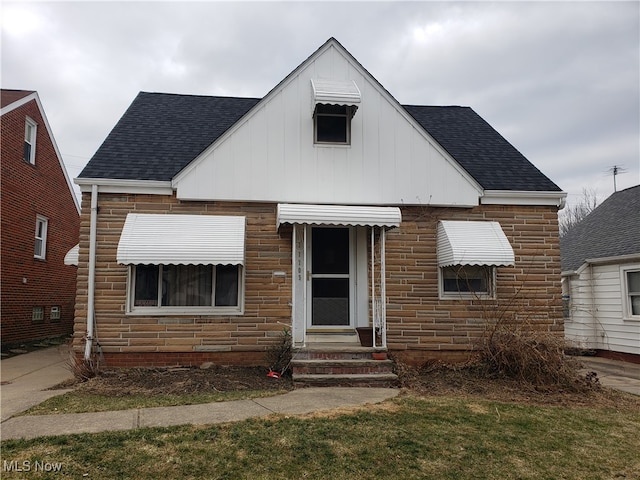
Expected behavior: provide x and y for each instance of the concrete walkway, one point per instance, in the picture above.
(297, 402)
(27, 375)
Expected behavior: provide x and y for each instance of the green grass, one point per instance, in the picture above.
(78, 402)
(408, 437)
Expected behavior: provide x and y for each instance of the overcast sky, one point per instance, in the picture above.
(561, 81)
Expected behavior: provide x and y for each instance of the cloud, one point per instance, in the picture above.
(560, 80)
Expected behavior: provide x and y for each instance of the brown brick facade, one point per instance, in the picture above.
(27, 191)
(420, 326)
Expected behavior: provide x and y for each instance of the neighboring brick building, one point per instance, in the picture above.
(324, 207)
(40, 224)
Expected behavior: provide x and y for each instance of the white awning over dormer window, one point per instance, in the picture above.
(335, 92)
(473, 243)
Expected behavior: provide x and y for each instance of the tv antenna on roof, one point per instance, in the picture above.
(616, 170)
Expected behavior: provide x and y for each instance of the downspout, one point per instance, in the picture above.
(91, 287)
(383, 287)
(594, 308)
(373, 285)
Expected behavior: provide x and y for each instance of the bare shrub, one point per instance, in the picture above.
(83, 369)
(279, 356)
(530, 356)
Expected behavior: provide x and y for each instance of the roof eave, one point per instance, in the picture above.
(118, 185)
(518, 197)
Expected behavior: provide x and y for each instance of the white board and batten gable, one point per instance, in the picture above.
(270, 154)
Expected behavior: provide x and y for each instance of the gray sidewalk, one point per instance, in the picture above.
(297, 402)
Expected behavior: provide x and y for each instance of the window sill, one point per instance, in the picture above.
(466, 296)
(332, 145)
(635, 318)
(179, 311)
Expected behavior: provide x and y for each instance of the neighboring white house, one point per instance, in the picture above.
(601, 277)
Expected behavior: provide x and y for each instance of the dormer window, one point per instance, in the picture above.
(332, 124)
(334, 104)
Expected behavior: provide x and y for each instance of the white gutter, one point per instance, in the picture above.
(115, 185)
(93, 227)
(517, 197)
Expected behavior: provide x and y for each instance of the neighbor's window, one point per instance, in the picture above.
(30, 128)
(188, 288)
(332, 124)
(37, 316)
(632, 281)
(40, 247)
(467, 281)
(54, 315)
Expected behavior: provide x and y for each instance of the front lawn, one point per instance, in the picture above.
(446, 437)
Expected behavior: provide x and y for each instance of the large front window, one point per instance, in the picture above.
(206, 289)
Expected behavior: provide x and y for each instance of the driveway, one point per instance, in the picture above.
(25, 378)
(623, 376)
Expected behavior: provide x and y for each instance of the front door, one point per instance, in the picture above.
(330, 278)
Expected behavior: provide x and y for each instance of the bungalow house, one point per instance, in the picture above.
(601, 278)
(40, 223)
(212, 224)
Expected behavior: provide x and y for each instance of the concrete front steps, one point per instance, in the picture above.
(342, 365)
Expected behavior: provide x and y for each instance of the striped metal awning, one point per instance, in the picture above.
(338, 215)
(71, 258)
(335, 92)
(154, 239)
(473, 243)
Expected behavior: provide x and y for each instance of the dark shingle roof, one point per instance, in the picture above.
(611, 230)
(161, 133)
(480, 150)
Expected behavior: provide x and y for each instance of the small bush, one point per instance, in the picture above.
(83, 369)
(531, 356)
(279, 356)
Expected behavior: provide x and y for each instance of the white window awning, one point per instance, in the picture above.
(71, 258)
(335, 92)
(473, 243)
(154, 239)
(338, 215)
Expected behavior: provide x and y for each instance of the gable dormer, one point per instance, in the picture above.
(328, 133)
(334, 103)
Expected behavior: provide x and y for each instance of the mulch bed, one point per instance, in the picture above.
(432, 380)
(181, 381)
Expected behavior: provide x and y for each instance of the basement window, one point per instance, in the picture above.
(37, 315)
